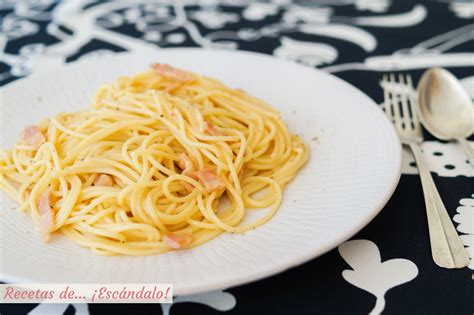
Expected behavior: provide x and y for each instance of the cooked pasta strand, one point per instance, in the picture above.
(147, 167)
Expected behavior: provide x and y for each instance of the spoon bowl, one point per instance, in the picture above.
(445, 107)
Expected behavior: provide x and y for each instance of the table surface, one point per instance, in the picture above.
(386, 267)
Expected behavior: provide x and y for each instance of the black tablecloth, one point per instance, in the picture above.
(356, 40)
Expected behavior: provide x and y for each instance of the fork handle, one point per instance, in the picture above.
(447, 248)
(467, 149)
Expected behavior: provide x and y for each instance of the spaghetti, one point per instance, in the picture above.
(165, 159)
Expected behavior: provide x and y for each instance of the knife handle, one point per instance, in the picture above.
(447, 249)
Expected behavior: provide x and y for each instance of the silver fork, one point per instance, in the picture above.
(447, 248)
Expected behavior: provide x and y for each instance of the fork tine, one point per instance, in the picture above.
(386, 98)
(414, 106)
(394, 101)
(397, 102)
(404, 101)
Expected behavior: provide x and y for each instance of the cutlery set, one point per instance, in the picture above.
(445, 110)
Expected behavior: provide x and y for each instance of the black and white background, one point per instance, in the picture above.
(387, 267)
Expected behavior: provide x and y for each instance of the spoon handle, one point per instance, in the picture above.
(467, 149)
(447, 248)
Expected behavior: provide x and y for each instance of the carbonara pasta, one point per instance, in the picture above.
(166, 159)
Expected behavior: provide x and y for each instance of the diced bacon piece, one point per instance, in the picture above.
(209, 179)
(104, 180)
(172, 73)
(46, 214)
(188, 169)
(185, 164)
(177, 241)
(212, 130)
(33, 136)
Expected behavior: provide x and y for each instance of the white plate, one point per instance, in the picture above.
(354, 167)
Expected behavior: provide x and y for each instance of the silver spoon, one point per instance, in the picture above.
(445, 108)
